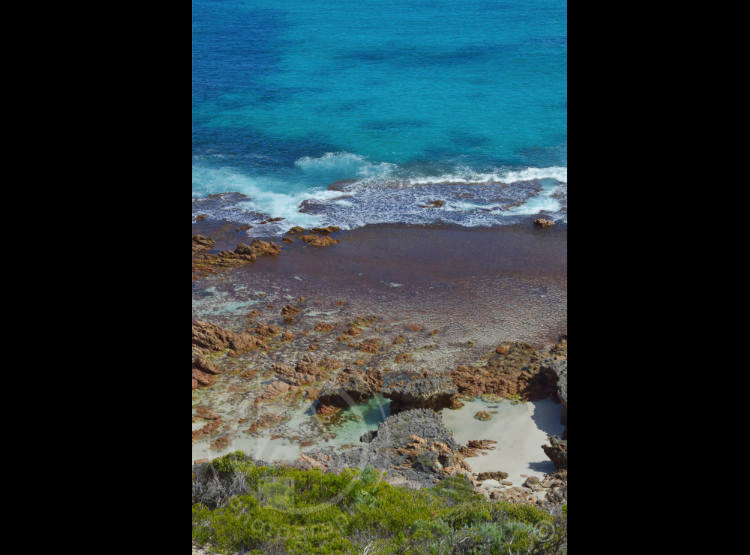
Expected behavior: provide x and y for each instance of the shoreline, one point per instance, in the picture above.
(509, 282)
(434, 297)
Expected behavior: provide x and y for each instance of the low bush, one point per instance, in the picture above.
(240, 507)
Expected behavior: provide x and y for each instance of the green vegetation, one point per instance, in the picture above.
(239, 507)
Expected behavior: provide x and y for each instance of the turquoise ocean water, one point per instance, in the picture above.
(407, 101)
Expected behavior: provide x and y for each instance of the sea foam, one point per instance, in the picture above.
(380, 192)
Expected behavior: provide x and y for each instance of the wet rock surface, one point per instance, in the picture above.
(205, 263)
(543, 222)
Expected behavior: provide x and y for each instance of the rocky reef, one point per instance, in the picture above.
(205, 263)
(514, 370)
(210, 339)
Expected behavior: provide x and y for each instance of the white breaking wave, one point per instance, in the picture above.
(261, 194)
(381, 192)
(345, 164)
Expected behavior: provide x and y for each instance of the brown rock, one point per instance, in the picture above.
(542, 222)
(326, 230)
(497, 475)
(519, 371)
(209, 337)
(318, 240)
(266, 330)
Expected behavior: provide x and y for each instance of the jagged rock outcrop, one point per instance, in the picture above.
(204, 263)
(415, 390)
(560, 368)
(557, 451)
(319, 240)
(305, 372)
(518, 370)
(350, 386)
(204, 371)
(476, 447)
(201, 243)
(210, 338)
(413, 447)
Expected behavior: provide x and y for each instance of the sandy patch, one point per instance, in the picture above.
(520, 430)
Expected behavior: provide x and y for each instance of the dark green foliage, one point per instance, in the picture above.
(287, 510)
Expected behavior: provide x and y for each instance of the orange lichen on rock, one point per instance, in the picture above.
(204, 263)
(543, 222)
(319, 240)
(210, 338)
(518, 371)
(306, 371)
(266, 330)
(370, 346)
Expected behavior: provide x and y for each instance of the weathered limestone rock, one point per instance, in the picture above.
(350, 386)
(557, 451)
(414, 390)
(413, 447)
(517, 371)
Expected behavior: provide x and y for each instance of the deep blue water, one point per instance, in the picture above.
(290, 96)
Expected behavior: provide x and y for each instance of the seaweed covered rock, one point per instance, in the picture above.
(326, 230)
(201, 244)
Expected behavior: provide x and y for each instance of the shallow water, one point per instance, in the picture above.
(302, 420)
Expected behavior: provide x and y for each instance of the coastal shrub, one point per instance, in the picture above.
(244, 508)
